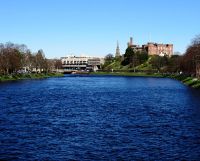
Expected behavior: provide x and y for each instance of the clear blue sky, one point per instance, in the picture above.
(92, 27)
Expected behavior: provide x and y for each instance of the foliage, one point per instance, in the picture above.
(134, 58)
(143, 57)
(158, 62)
(135, 74)
(28, 76)
(174, 64)
(191, 57)
(14, 58)
(108, 60)
(188, 64)
(128, 56)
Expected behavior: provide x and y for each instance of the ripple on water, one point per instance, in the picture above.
(99, 118)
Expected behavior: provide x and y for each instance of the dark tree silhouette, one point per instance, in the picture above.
(191, 59)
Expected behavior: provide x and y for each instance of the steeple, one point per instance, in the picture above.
(117, 54)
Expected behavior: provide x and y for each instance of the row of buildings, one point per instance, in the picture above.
(71, 63)
(151, 48)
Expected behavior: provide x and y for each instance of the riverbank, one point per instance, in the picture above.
(131, 74)
(14, 77)
(189, 81)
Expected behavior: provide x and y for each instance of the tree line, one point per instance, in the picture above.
(17, 58)
(188, 63)
(191, 59)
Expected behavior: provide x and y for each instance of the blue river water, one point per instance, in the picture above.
(99, 118)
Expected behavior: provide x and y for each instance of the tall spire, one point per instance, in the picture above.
(117, 54)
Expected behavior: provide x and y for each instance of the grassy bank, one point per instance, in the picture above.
(13, 77)
(190, 81)
(131, 74)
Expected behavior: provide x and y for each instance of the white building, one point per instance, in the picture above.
(81, 63)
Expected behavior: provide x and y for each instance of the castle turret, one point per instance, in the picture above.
(130, 43)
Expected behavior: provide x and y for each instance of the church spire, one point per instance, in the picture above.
(117, 54)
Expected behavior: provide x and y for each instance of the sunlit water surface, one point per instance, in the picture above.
(99, 118)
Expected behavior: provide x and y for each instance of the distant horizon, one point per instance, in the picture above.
(93, 28)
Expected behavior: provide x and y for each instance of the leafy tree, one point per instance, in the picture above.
(143, 57)
(108, 59)
(118, 59)
(128, 56)
(134, 58)
(174, 64)
(158, 62)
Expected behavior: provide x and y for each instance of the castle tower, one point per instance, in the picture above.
(117, 54)
(130, 43)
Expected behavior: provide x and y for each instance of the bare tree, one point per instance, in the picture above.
(58, 64)
(28, 61)
(190, 62)
(39, 61)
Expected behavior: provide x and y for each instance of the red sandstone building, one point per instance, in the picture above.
(153, 48)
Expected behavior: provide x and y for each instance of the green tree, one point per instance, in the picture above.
(109, 58)
(128, 56)
(143, 57)
(158, 62)
(174, 64)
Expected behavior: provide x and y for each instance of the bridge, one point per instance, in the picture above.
(71, 71)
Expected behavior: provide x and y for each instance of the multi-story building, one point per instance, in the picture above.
(73, 62)
(159, 49)
(81, 63)
(153, 48)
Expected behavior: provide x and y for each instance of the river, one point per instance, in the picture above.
(99, 118)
